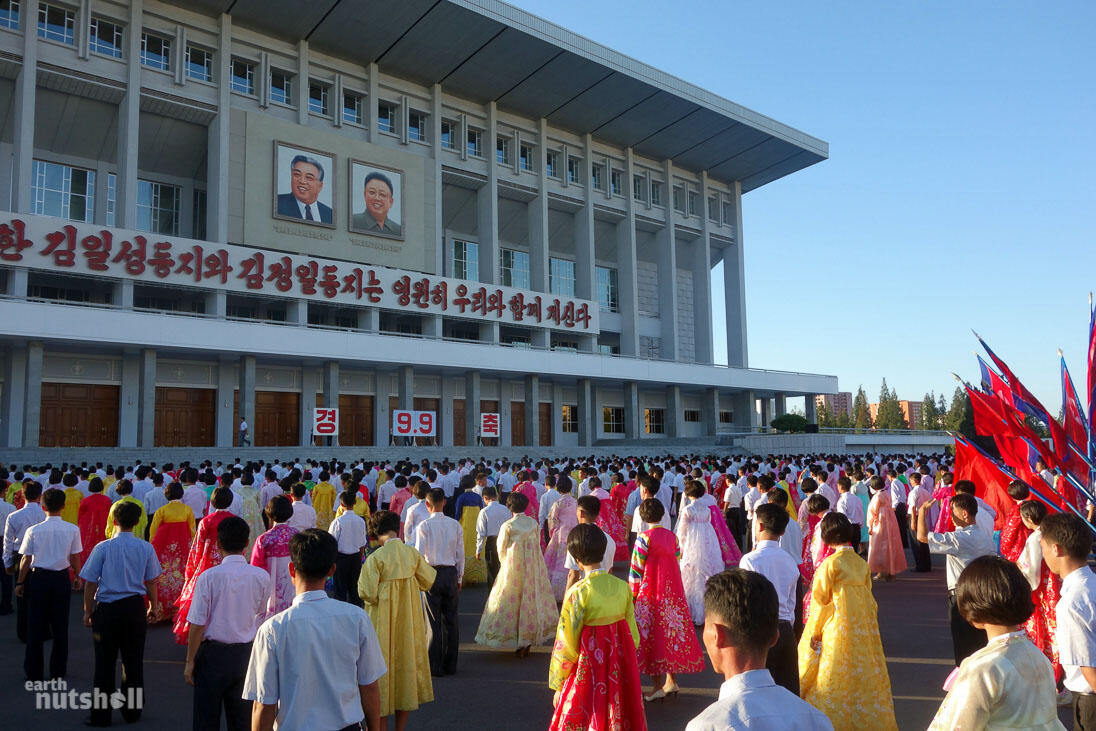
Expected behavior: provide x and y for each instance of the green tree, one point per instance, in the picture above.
(960, 417)
(826, 419)
(861, 414)
(790, 423)
(890, 411)
(843, 421)
(941, 411)
(930, 417)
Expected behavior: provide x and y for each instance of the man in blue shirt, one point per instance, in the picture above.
(119, 573)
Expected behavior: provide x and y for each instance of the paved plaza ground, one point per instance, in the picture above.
(495, 690)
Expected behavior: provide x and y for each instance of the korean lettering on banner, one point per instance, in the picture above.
(325, 422)
(489, 425)
(413, 424)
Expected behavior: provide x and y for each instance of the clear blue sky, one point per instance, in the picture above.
(960, 191)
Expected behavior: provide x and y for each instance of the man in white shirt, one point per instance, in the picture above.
(638, 524)
(15, 527)
(791, 540)
(316, 664)
(918, 496)
(488, 525)
(440, 540)
(223, 617)
(898, 492)
(6, 509)
(961, 546)
(547, 500)
(852, 508)
(774, 563)
(304, 515)
(740, 625)
(587, 510)
(732, 511)
(350, 532)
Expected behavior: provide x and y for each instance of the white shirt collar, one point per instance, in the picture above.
(760, 678)
(310, 596)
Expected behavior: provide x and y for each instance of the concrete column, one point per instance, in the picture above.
(532, 410)
(247, 395)
(627, 268)
(446, 418)
(296, 313)
(585, 282)
(18, 283)
(557, 414)
(506, 424)
(709, 411)
(587, 426)
(310, 384)
(432, 327)
(810, 409)
(382, 415)
(371, 107)
(780, 402)
(406, 388)
(632, 428)
(436, 150)
(666, 248)
(701, 266)
(302, 75)
(675, 413)
(216, 304)
(766, 411)
(471, 406)
(734, 288)
(331, 391)
(129, 123)
(13, 398)
(32, 383)
(129, 407)
(224, 428)
(146, 403)
(487, 220)
(123, 294)
(26, 83)
(538, 218)
(743, 409)
(369, 319)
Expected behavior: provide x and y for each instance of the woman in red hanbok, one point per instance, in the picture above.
(170, 534)
(529, 490)
(204, 554)
(667, 638)
(1046, 586)
(619, 493)
(886, 557)
(92, 517)
(1015, 532)
(609, 520)
(815, 550)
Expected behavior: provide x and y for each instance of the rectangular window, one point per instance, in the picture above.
(514, 267)
(416, 126)
(198, 216)
(475, 143)
(606, 349)
(713, 209)
(281, 87)
(386, 117)
(199, 63)
(607, 292)
(728, 213)
(551, 164)
(654, 421)
(465, 260)
(692, 415)
(502, 150)
(352, 108)
(63, 191)
(694, 202)
(526, 156)
(243, 76)
(9, 14)
(656, 193)
(616, 180)
(155, 51)
(112, 181)
(679, 199)
(574, 170)
(725, 417)
(448, 132)
(56, 24)
(561, 277)
(568, 419)
(612, 420)
(157, 208)
(597, 176)
(317, 99)
(639, 188)
(105, 38)
(565, 346)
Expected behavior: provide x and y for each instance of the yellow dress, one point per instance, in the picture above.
(361, 507)
(323, 500)
(475, 569)
(139, 530)
(174, 511)
(390, 584)
(71, 511)
(848, 680)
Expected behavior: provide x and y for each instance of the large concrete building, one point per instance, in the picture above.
(247, 208)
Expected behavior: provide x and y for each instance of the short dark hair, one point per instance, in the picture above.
(232, 534)
(817, 503)
(70, 480)
(222, 498)
(835, 529)
(1068, 531)
(348, 498)
(586, 544)
(299, 490)
(173, 491)
(651, 511)
(772, 518)
(808, 484)
(965, 501)
(1018, 490)
(122, 487)
(1034, 511)
(517, 502)
(292, 163)
(127, 514)
(384, 521)
(378, 176)
(745, 603)
(95, 484)
(992, 589)
(695, 489)
(279, 509)
(777, 497)
(313, 552)
(589, 505)
(966, 487)
(53, 500)
(490, 493)
(563, 484)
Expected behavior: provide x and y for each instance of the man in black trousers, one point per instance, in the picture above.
(440, 540)
(118, 575)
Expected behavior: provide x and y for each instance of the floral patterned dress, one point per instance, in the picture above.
(594, 659)
(204, 554)
(271, 553)
(667, 638)
(611, 523)
(170, 534)
(521, 610)
(728, 549)
(1046, 588)
(561, 519)
(1014, 535)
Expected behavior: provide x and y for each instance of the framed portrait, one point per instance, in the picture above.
(376, 200)
(304, 185)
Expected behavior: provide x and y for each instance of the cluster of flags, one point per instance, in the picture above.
(1002, 407)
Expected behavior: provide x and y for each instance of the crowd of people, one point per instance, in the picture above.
(272, 574)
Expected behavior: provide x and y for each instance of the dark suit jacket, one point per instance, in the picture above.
(287, 206)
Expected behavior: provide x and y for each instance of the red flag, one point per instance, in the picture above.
(990, 483)
(1091, 379)
(1072, 412)
(1014, 383)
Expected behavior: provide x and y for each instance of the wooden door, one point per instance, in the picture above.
(78, 415)
(185, 417)
(545, 411)
(355, 420)
(517, 423)
(460, 433)
(277, 419)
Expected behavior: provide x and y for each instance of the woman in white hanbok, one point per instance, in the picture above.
(700, 556)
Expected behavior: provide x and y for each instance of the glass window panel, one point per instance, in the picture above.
(199, 64)
(105, 38)
(155, 51)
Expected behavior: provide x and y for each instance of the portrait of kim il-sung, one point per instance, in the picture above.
(376, 200)
(304, 185)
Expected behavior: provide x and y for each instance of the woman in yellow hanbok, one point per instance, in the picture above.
(842, 670)
(73, 496)
(171, 533)
(466, 509)
(323, 500)
(391, 584)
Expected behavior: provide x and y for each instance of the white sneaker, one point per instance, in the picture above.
(1065, 697)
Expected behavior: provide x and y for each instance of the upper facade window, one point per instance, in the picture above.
(281, 87)
(199, 63)
(9, 14)
(155, 51)
(105, 38)
(56, 23)
(63, 191)
(243, 76)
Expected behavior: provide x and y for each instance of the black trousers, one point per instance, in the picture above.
(922, 559)
(491, 556)
(783, 659)
(736, 522)
(442, 605)
(800, 595)
(1084, 712)
(119, 627)
(6, 585)
(903, 522)
(219, 672)
(48, 597)
(348, 567)
(965, 639)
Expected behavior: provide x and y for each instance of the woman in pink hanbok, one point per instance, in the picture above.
(609, 521)
(728, 548)
(271, 553)
(529, 490)
(886, 558)
(561, 519)
(815, 550)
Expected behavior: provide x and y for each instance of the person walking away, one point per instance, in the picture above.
(488, 525)
(440, 540)
(353, 537)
